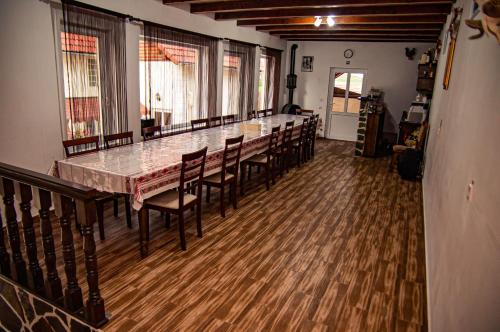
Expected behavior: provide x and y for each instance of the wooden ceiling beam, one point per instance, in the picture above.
(242, 5)
(364, 40)
(435, 27)
(414, 19)
(355, 32)
(341, 11)
(169, 2)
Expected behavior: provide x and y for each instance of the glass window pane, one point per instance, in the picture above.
(339, 92)
(355, 90)
(231, 84)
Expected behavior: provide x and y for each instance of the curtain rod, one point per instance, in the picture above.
(132, 18)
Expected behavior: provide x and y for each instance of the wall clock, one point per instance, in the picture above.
(348, 53)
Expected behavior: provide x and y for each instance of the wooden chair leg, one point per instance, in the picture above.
(242, 179)
(182, 233)
(144, 231)
(222, 207)
(282, 165)
(167, 220)
(234, 196)
(298, 156)
(267, 177)
(208, 193)
(115, 207)
(249, 172)
(100, 219)
(128, 213)
(198, 219)
(272, 171)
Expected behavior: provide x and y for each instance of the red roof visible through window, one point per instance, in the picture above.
(154, 51)
(71, 42)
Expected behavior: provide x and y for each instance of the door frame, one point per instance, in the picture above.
(329, 101)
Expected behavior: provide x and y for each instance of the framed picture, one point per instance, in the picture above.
(307, 63)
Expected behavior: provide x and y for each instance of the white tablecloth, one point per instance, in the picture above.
(146, 169)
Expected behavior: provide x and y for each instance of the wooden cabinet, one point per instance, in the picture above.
(373, 134)
(426, 76)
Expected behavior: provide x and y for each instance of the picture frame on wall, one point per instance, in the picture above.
(307, 63)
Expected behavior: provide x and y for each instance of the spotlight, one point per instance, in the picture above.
(330, 21)
(318, 21)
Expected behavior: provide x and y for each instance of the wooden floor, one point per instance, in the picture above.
(336, 245)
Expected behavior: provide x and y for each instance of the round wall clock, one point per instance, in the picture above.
(348, 53)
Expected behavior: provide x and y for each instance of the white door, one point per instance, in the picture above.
(342, 115)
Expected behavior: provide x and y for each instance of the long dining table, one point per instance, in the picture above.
(145, 169)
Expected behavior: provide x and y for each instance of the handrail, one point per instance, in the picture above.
(69, 199)
(47, 182)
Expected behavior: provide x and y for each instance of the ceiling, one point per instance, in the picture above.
(355, 20)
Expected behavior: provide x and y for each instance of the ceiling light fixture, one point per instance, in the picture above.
(330, 21)
(318, 21)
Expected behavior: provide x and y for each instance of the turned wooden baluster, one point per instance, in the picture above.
(72, 292)
(30, 239)
(14, 239)
(86, 211)
(4, 255)
(54, 288)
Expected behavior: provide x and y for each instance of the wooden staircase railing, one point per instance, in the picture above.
(23, 266)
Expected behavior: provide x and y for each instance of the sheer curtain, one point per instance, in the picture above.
(238, 78)
(95, 84)
(269, 79)
(178, 73)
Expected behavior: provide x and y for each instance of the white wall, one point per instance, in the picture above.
(30, 129)
(462, 236)
(388, 69)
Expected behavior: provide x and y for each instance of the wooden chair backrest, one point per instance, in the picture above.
(261, 114)
(251, 115)
(80, 146)
(232, 153)
(199, 124)
(116, 140)
(274, 139)
(192, 169)
(215, 122)
(303, 129)
(227, 119)
(306, 112)
(287, 135)
(150, 133)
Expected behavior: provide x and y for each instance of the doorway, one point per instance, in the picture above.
(344, 89)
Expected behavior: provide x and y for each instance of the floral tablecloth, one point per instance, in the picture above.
(146, 169)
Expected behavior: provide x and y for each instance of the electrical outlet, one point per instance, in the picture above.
(470, 190)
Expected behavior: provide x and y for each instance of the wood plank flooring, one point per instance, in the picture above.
(336, 245)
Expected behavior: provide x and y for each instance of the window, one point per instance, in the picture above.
(92, 71)
(81, 88)
(263, 83)
(269, 79)
(177, 77)
(238, 79)
(348, 87)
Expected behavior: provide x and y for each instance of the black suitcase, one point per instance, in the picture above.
(409, 164)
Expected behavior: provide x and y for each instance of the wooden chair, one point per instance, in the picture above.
(199, 124)
(178, 201)
(261, 114)
(314, 136)
(82, 146)
(251, 115)
(283, 152)
(306, 112)
(309, 138)
(229, 173)
(269, 112)
(299, 144)
(79, 146)
(417, 144)
(265, 160)
(228, 119)
(215, 122)
(150, 133)
(116, 140)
